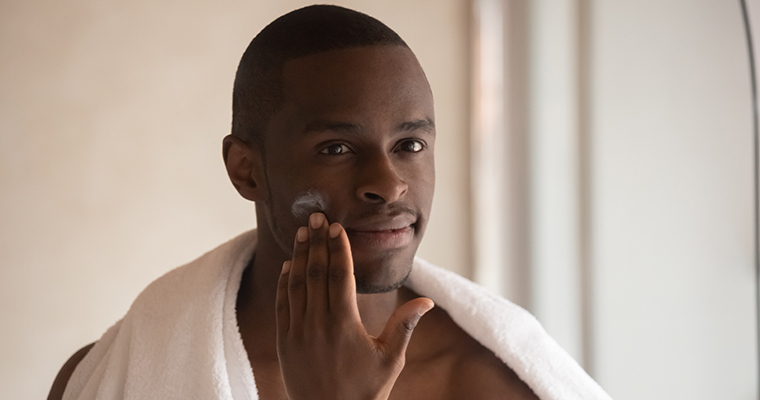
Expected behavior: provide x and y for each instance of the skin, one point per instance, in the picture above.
(321, 309)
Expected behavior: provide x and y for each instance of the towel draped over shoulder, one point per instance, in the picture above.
(180, 338)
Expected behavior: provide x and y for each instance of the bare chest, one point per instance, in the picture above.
(416, 381)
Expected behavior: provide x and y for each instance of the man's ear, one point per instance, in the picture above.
(244, 167)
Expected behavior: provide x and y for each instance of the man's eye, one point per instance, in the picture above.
(335, 150)
(412, 146)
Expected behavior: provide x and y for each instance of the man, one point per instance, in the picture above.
(333, 138)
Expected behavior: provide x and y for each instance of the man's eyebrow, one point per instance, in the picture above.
(322, 125)
(426, 125)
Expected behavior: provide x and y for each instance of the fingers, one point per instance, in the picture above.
(398, 330)
(307, 280)
(297, 278)
(316, 268)
(340, 273)
(282, 303)
(320, 285)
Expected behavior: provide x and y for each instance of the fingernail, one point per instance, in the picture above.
(285, 267)
(316, 220)
(334, 230)
(302, 234)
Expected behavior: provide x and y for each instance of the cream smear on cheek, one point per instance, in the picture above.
(309, 202)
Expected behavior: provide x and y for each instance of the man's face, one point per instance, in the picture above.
(356, 125)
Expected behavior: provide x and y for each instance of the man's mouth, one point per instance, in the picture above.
(382, 233)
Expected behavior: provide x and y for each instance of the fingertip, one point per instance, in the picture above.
(334, 230)
(317, 220)
(286, 267)
(429, 304)
(302, 234)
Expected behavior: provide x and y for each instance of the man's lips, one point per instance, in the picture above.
(382, 233)
(382, 223)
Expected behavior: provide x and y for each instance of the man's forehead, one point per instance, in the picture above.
(384, 63)
(341, 90)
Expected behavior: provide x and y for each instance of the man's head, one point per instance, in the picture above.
(257, 93)
(340, 119)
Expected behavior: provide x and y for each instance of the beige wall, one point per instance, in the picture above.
(111, 117)
(639, 176)
(672, 222)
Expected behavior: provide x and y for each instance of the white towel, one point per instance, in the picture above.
(180, 338)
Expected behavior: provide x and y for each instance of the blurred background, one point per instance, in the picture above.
(594, 165)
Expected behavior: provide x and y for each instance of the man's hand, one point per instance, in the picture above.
(324, 350)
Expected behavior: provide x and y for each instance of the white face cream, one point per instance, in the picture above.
(309, 202)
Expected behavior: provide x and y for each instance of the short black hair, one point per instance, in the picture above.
(257, 92)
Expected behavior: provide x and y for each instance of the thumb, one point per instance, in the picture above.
(398, 330)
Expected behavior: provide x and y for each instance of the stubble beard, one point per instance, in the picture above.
(393, 273)
(363, 287)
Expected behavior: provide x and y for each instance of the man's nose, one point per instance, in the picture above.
(380, 181)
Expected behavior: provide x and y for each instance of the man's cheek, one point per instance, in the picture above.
(309, 202)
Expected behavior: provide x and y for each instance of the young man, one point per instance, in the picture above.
(333, 138)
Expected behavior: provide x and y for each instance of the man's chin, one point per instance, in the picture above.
(364, 286)
(382, 277)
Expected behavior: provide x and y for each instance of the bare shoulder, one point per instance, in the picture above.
(476, 372)
(62, 379)
(445, 362)
(479, 374)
